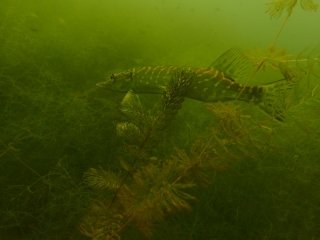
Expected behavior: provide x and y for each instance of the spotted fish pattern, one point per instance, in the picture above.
(209, 84)
(216, 83)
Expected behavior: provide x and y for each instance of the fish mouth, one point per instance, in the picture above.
(105, 84)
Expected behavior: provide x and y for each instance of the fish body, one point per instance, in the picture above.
(208, 85)
(216, 83)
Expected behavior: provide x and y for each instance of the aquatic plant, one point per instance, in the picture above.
(261, 175)
(277, 59)
(155, 186)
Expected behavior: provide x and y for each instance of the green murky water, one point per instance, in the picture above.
(262, 176)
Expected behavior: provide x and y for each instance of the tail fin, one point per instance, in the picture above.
(274, 102)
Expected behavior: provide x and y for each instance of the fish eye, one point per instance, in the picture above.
(112, 77)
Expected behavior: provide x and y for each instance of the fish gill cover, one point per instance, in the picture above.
(79, 162)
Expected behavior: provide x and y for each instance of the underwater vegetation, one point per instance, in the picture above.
(150, 187)
(74, 166)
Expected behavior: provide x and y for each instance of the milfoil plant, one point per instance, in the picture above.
(151, 186)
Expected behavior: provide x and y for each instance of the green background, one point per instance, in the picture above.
(55, 124)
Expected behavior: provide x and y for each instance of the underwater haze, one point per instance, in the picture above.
(78, 161)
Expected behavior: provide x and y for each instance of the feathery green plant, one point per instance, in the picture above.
(153, 187)
(132, 200)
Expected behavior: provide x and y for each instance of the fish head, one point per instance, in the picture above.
(118, 82)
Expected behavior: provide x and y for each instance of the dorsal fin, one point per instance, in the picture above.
(233, 64)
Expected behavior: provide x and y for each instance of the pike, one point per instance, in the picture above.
(218, 82)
